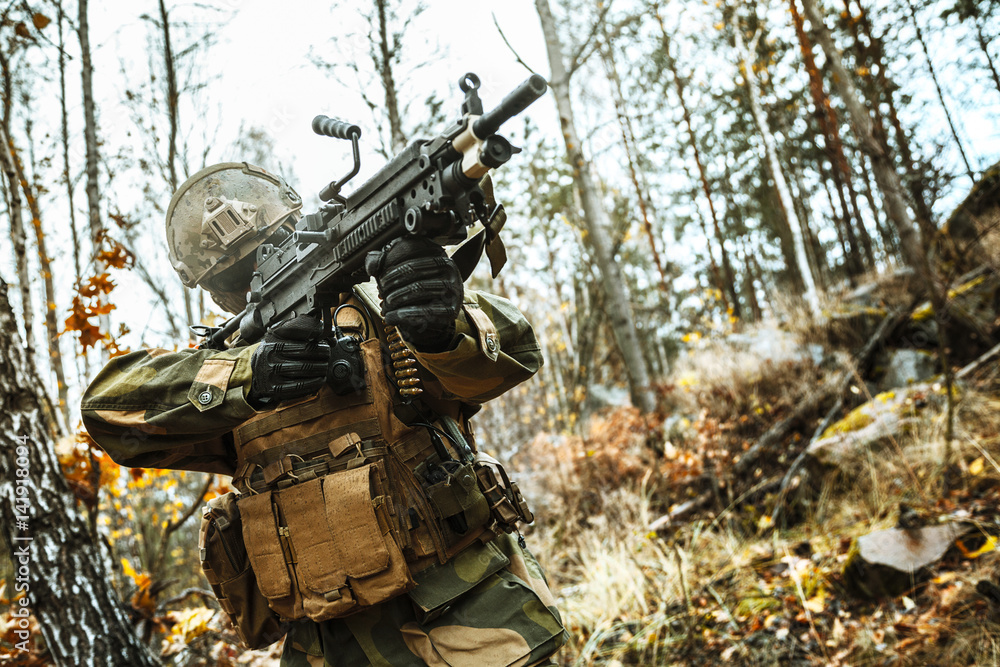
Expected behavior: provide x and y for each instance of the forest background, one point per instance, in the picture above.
(728, 220)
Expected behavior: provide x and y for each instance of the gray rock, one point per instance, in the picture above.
(908, 550)
(888, 562)
(599, 396)
(839, 449)
(907, 367)
(887, 416)
(770, 344)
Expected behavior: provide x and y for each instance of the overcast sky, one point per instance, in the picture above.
(266, 78)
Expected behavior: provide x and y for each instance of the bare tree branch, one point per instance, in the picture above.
(589, 45)
(507, 42)
(172, 526)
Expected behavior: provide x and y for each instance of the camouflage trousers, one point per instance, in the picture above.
(508, 618)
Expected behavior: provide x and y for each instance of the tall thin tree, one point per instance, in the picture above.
(629, 145)
(65, 141)
(173, 118)
(828, 123)
(92, 153)
(618, 303)
(726, 283)
(18, 237)
(777, 173)
(937, 86)
(48, 283)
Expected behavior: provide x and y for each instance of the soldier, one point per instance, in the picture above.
(366, 525)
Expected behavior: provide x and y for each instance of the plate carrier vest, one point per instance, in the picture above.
(344, 498)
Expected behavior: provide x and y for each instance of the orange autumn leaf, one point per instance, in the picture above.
(77, 321)
(140, 580)
(75, 465)
(117, 257)
(115, 350)
(143, 598)
(101, 284)
(79, 464)
(90, 336)
(120, 220)
(100, 309)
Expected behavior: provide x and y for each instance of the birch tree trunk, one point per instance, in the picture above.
(69, 592)
(17, 234)
(17, 239)
(617, 302)
(798, 233)
(90, 140)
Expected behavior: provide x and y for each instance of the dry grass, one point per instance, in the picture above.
(724, 586)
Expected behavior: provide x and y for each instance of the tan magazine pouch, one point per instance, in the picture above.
(225, 564)
(330, 536)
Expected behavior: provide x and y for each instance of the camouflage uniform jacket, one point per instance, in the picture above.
(162, 409)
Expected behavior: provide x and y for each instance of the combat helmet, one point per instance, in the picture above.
(218, 218)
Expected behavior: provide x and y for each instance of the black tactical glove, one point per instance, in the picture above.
(291, 362)
(421, 291)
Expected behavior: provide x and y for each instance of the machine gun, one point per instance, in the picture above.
(431, 188)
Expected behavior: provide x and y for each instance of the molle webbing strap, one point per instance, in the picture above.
(266, 452)
(284, 472)
(414, 447)
(296, 414)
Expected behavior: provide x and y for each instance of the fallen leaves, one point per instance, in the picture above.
(990, 544)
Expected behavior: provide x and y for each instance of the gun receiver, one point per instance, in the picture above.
(431, 188)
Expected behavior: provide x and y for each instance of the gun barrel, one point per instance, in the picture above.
(332, 127)
(516, 102)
